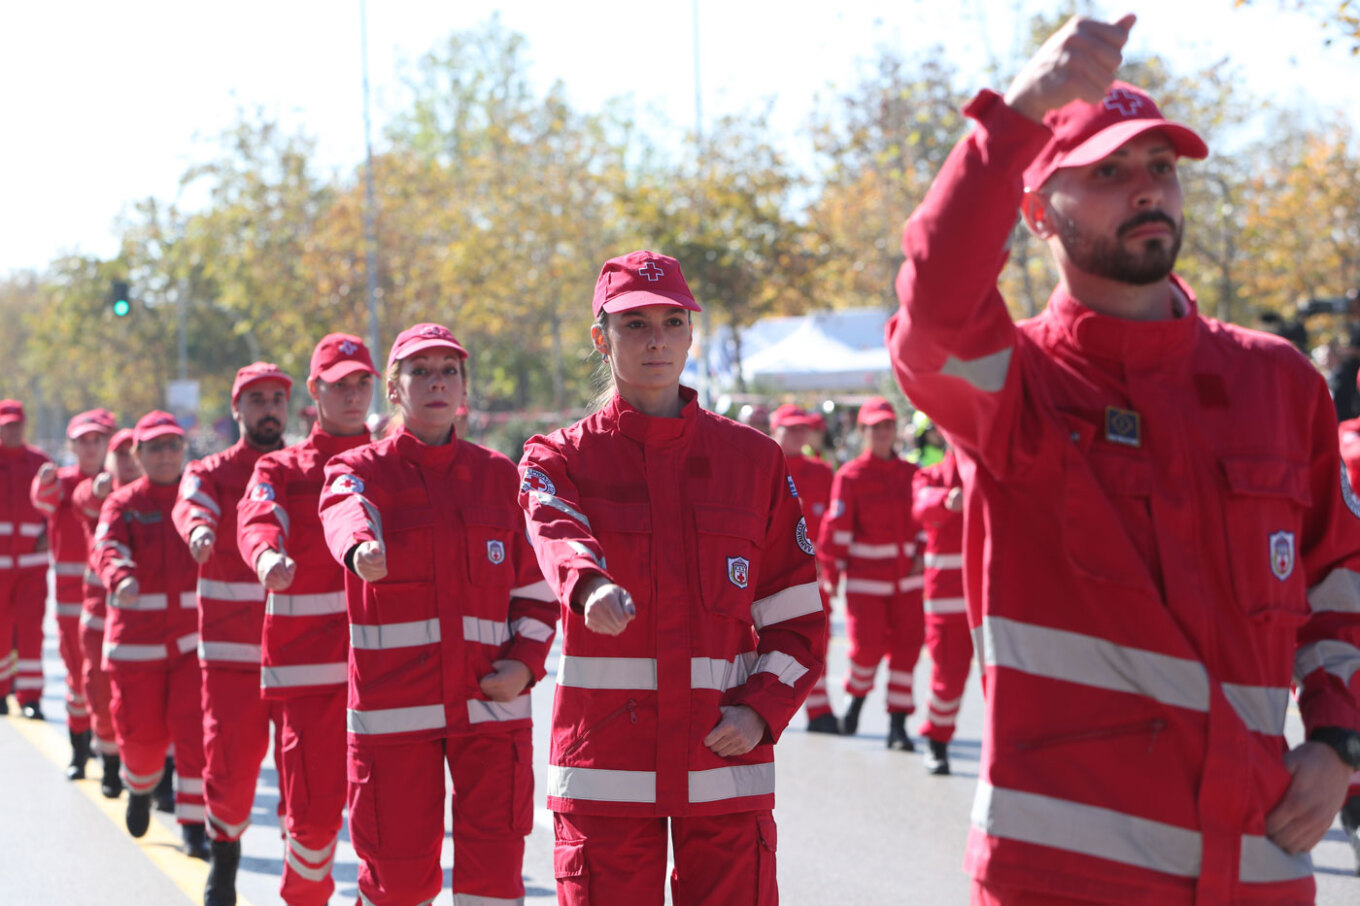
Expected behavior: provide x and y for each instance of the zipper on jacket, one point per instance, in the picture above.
(629, 706)
(1153, 726)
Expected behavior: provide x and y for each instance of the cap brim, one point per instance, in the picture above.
(1104, 143)
(88, 428)
(158, 431)
(426, 346)
(10, 419)
(341, 369)
(877, 418)
(283, 379)
(640, 298)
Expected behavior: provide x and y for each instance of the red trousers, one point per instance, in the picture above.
(73, 656)
(999, 896)
(893, 626)
(23, 600)
(720, 860)
(951, 655)
(312, 784)
(818, 701)
(153, 707)
(396, 816)
(95, 682)
(236, 732)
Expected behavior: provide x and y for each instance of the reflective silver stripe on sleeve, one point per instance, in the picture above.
(718, 674)
(531, 629)
(1262, 708)
(946, 605)
(235, 652)
(784, 667)
(944, 561)
(1339, 592)
(230, 591)
(395, 720)
(584, 551)
(557, 503)
(68, 569)
(282, 518)
(787, 604)
(600, 785)
(91, 577)
(204, 500)
(480, 712)
(1340, 659)
(394, 635)
(607, 672)
(118, 547)
(150, 601)
(874, 551)
(31, 529)
(735, 782)
(868, 587)
(287, 677)
(374, 518)
(987, 373)
(321, 604)
(539, 591)
(485, 632)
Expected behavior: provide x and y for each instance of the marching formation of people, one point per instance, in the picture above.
(1137, 520)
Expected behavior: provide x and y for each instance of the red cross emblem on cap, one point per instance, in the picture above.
(1126, 102)
(348, 348)
(431, 331)
(652, 271)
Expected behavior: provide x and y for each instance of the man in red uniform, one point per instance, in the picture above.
(1350, 454)
(812, 478)
(938, 505)
(1159, 533)
(23, 566)
(151, 642)
(88, 436)
(305, 640)
(870, 537)
(120, 468)
(236, 720)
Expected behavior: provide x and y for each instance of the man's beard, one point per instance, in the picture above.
(1110, 259)
(266, 433)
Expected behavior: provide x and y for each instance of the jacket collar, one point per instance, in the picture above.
(413, 448)
(1134, 343)
(331, 444)
(650, 429)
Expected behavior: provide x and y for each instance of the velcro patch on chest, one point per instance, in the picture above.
(1123, 426)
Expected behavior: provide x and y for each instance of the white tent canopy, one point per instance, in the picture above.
(830, 351)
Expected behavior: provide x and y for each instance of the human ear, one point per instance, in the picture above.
(1034, 209)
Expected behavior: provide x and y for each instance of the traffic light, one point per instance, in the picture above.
(120, 299)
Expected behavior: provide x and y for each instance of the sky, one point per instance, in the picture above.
(108, 103)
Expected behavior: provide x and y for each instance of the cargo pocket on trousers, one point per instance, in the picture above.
(522, 788)
(569, 867)
(363, 804)
(767, 887)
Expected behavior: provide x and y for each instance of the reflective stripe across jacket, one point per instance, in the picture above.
(305, 642)
(136, 539)
(1160, 538)
(869, 535)
(21, 523)
(66, 538)
(695, 518)
(943, 529)
(462, 589)
(230, 596)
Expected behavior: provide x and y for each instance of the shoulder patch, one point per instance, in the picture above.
(800, 534)
(262, 491)
(537, 480)
(837, 509)
(347, 484)
(1348, 493)
(793, 489)
(190, 485)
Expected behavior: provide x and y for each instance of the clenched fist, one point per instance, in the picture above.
(201, 543)
(1077, 62)
(370, 561)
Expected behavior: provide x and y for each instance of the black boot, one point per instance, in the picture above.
(850, 722)
(195, 841)
(138, 817)
(165, 790)
(897, 732)
(1350, 822)
(80, 753)
(824, 723)
(221, 887)
(33, 710)
(4, 705)
(937, 760)
(111, 785)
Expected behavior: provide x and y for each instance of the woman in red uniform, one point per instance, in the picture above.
(449, 624)
(692, 628)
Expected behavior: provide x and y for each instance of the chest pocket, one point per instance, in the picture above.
(408, 534)
(1262, 524)
(489, 536)
(1107, 521)
(729, 542)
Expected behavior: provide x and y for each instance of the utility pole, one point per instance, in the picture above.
(370, 223)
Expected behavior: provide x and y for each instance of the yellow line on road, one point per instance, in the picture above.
(160, 844)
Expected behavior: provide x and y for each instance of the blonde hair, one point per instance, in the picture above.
(603, 378)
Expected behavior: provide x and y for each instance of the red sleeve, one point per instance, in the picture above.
(198, 502)
(85, 504)
(47, 497)
(261, 520)
(833, 546)
(533, 605)
(349, 516)
(928, 494)
(112, 554)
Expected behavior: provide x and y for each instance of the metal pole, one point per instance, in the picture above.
(370, 224)
(182, 340)
(703, 389)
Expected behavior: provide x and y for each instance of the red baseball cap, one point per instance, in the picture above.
(91, 421)
(121, 438)
(256, 372)
(420, 338)
(789, 415)
(875, 410)
(641, 278)
(1084, 133)
(155, 424)
(11, 411)
(337, 355)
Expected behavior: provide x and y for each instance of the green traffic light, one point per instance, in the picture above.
(121, 307)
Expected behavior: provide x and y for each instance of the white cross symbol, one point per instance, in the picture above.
(652, 271)
(1126, 102)
(431, 331)
(348, 348)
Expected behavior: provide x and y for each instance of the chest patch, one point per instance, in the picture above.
(1282, 555)
(495, 551)
(739, 571)
(1123, 426)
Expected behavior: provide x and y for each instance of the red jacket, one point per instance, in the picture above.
(943, 529)
(230, 596)
(695, 517)
(21, 523)
(812, 479)
(1349, 434)
(305, 642)
(870, 534)
(93, 594)
(1159, 541)
(68, 543)
(136, 539)
(462, 589)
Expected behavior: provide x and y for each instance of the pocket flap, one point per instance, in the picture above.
(569, 859)
(726, 520)
(359, 767)
(768, 835)
(1268, 478)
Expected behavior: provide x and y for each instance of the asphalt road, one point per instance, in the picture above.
(858, 824)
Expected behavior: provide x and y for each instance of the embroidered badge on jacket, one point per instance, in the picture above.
(1282, 555)
(738, 571)
(1123, 426)
(495, 551)
(262, 491)
(800, 535)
